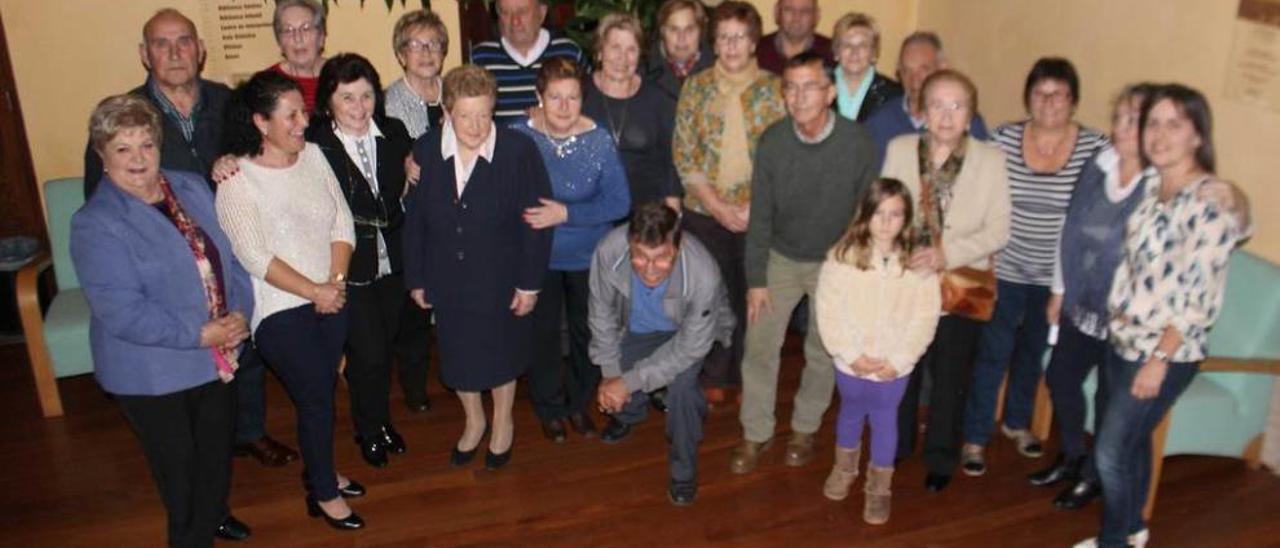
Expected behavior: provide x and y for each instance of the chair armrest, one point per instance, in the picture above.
(28, 297)
(1241, 365)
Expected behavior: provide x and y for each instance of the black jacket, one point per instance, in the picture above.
(658, 71)
(393, 147)
(176, 153)
(881, 91)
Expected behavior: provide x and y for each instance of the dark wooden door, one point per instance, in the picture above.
(20, 207)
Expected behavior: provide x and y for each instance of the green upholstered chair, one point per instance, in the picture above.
(57, 342)
(1224, 410)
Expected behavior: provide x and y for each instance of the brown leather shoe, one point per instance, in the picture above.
(746, 455)
(799, 449)
(267, 451)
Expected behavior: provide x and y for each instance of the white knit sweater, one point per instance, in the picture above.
(292, 214)
(882, 312)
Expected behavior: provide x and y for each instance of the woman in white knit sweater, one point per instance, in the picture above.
(876, 318)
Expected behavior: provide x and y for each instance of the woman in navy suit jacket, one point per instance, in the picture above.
(169, 304)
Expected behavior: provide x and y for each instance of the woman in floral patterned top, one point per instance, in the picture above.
(1166, 295)
(721, 114)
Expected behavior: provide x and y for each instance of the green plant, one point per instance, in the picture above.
(587, 15)
(426, 4)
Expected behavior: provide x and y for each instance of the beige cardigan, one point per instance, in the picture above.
(882, 312)
(977, 221)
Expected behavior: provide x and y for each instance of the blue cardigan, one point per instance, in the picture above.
(144, 293)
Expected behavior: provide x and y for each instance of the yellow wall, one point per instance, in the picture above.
(895, 17)
(1114, 43)
(68, 54)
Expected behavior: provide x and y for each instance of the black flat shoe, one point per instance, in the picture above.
(582, 424)
(682, 493)
(373, 450)
(232, 529)
(553, 429)
(658, 399)
(936, 482)
(392, 439)
(615, 431)
(418, 405)
(1063, 469)
(351, 522)
(1078, 496)
(494, 461)
(351, 490)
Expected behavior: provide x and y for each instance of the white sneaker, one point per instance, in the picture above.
(1136, 540)
(1028, 445)
(973, 461)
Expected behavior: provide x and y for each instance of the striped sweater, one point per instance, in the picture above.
(515, 80)
(1039, 202)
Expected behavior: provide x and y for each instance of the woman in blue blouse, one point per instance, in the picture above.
(590, 193)
(1166, 295)
(169, 303)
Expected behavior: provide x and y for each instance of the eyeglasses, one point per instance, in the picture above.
(853, 46)
(307, 29)
(418, 46)
(945, 107)
(807, 88)
(734, 38)
(1058, 96)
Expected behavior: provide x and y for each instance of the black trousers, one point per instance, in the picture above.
(187, 439)
(413, 348)
(374, 313)
(251, 395)
(949, 363)
(304, 348)
(723, 366)
(557, 390)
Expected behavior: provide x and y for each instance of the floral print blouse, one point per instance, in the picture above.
(1173, 273)
(698, 129)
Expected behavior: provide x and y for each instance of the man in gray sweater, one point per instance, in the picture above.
(657, 305)
(810, 170)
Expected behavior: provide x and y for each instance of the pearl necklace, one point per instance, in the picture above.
(561, 145)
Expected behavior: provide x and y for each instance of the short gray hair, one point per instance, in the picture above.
(120, 112)
(414, 20)
(317, 13)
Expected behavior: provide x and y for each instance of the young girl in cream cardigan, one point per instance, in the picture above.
(876, 318)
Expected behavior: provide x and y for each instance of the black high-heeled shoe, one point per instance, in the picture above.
(494, 461)
(351, 490)
(349, 523)
(459, 458)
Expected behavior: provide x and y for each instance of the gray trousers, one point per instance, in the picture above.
(686, 406)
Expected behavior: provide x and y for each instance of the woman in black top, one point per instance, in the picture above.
(860, 89)
(638, 115)
(367, 152)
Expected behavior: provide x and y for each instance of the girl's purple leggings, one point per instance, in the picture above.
(876, 401)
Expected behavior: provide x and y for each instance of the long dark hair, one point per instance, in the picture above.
(345, 68)
(1195, 107)
(258, 95)
(854, 247)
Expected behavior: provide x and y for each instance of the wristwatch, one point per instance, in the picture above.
(1160, 355)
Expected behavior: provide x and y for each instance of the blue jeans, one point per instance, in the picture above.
(1123, 447)
(1017, 329)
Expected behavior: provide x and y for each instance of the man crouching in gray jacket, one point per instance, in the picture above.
(657, 305)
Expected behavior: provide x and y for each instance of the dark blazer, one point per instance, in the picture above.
(471, 252)
(658, 71)
(144, 292)
(176, 153)
(881, 91)
(393, 147)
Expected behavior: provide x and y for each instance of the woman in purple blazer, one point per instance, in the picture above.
(169, 305)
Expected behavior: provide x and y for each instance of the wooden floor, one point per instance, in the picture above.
(81, 481)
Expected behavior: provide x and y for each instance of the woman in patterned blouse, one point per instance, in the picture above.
(1166, 295)
(721, 114)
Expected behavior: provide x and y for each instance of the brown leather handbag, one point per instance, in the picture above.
(966, 291)
(969, 292)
